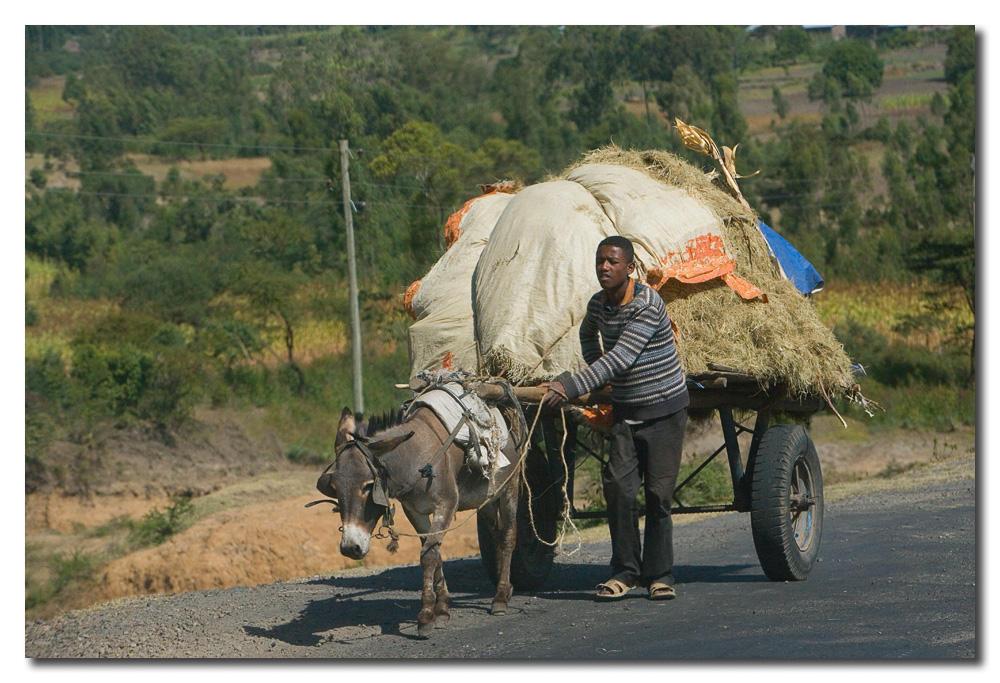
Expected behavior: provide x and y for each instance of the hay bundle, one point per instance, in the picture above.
(775, 338)
(731, 304)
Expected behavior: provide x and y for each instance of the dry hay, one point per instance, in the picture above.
(778, 341)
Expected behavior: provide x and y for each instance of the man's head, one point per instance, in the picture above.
(615, 262)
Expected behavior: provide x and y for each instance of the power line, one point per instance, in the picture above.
(181, 144)
(768, 198)
(259, 200)
(224, 145)
(405, 205)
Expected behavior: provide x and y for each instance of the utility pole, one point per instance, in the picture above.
(352, 276)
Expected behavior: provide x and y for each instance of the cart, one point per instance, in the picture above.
(778, 480)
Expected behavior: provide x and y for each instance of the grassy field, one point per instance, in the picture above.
(46, 98)
(885, 308)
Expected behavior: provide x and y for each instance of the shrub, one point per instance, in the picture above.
(712, 486)
(125, 381)
(300, 455)
(900, 365)
(77, 567)
(30, 313)
(157, 526)
(45, 378)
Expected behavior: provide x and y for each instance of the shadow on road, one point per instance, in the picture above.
(352, 602)
(728, 573)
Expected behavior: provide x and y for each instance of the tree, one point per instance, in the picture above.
(949, 259)
(498, 159)
(525, 92)
(961, 57)
(781, 105)
(686, 97)
(30, 139)
(193, 134)
(271, 293)
(593, 58)
(638, 45)
(728, 122)
(176, 285)
(74, 90)
(822, 87)
(790, 43)
(438, 172)
(852, 59)
(100, 138)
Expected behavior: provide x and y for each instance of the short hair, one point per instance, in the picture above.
(622, 243)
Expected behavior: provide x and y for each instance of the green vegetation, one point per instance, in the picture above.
(66, 571)
(58, 574)
(159, 525)
(152, 293)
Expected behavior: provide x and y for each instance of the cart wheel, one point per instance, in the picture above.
(786, 512)
(531, 561)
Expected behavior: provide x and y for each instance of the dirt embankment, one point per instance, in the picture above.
(254, 528)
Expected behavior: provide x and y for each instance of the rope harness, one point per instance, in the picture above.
(427, 471)
(380, 492)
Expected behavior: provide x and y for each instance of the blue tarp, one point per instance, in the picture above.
(796, 267)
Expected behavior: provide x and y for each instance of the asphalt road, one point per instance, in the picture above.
(896, 579)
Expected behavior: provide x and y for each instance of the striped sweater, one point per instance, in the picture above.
(638, 357)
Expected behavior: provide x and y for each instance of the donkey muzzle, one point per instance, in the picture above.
(355, 542)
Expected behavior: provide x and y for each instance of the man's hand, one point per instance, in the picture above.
(556, 395)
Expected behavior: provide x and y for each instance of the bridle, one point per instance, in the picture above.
(380, 485)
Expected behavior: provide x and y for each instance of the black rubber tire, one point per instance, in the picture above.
(531, 562)
(786, 513)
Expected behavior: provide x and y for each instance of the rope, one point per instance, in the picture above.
(522, 449)
(566, 503)
(520, 468)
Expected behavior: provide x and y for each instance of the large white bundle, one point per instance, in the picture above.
(674, 234)
(533, 281)
(442, 336)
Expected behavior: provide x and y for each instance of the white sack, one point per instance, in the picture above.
(442, 336)
(661, 220)
(533, 281)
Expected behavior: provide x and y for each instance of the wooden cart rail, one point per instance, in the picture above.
(710, 390)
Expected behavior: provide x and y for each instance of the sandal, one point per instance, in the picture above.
(662, 591)
(613, 589)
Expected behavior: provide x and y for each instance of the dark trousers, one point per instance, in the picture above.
(648, 453)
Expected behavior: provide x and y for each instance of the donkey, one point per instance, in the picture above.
(393, 463)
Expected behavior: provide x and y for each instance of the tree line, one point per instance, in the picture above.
(430, 113)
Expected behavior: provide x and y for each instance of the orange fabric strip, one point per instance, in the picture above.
(411, 292)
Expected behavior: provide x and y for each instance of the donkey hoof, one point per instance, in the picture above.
(441, 620)
(425, 630)
(498, 609)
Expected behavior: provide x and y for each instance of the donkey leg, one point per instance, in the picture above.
(440, 521)
(505, 536)
(430, 560)
(441, 613)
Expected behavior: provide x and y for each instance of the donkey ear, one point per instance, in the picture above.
(346, 428)
(385, 445)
